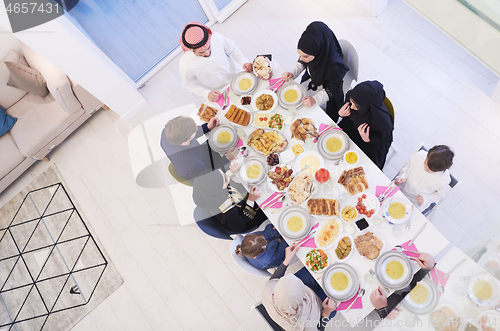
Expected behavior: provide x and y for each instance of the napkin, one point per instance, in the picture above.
(272, 198)
(310, 242)
(239, 143)
(220, 101)
(357, 305)
(412, 247)
(279, 85)
(381, 189)
(323, 126)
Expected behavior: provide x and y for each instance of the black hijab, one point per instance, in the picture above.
(208, 191)
(369, 96)
(318, 40)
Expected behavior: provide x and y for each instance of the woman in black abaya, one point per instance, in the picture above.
(321, 56)
(367, 121)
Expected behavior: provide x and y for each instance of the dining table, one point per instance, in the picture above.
(458, 295)
(430, 240)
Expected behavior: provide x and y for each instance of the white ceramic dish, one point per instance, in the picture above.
(268, 115)
(429, 305)
(353, 222)
(324, 196)
(312, 169)
(254, 160)
(258, 94)
(328, 261)
(304, 203)
(484, 277)
(335, 239)
(353, 281)
(238, 78)
(353, 246)
(262, 153)
(373, 199)
(314, 122)
(333, 133)
(493, 318)
(301, 90)
(286, 214)
(270, 181)
(383, 277)
(404, 201)
(219, 147)
(349, 151)
(376, 235)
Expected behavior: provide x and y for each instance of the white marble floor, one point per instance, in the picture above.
(176, 278)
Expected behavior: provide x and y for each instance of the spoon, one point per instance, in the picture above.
(305, 167)
(408, 225)
(440, 287)
(400, 248)
(360, 294)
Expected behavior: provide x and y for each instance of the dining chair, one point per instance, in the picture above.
(242, 262)
(182, 180)
(454, 182)
(392, 150)
(352, 60)
(263, 312)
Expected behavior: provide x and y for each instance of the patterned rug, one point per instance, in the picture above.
(53, 269)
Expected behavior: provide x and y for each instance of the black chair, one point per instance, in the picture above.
(263, 312)
(211, 226)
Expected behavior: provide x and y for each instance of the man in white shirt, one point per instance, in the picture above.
(209, 62)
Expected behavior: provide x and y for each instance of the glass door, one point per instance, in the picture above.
(141, 35)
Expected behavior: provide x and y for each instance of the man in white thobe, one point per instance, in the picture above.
(209, 62)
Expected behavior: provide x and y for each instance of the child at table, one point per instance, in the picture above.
(263, 249)
(425, 176)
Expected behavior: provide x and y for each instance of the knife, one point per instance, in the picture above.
(419, 232)
(456, 266)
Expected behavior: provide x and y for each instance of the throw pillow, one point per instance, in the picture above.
(26, 79)
(6, 122)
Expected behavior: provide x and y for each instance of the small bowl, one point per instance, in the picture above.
(328, 261)
(348, 153)
(354, 218)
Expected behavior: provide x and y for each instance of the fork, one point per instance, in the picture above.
(224, 97)
(277, 87)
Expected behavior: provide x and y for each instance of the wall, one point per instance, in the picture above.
(81, 61)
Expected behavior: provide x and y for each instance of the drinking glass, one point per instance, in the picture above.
(368, 278)
(309, 143)
(396, 230)
(377, 220)
(241, 133)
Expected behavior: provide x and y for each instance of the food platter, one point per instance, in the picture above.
(482, 289)
(370, 201)
(316, 253)
(303, 194)
(324, 196)
(492, 318)
(323, 227)
(254, 170)
(286, 88)
(313, 159)
(353, 247)
(351, 157)
(258, 94)
(373, 248)
(288, 216)
(429, 304)
(239, 78)
(217, 138)
(294, 127)
(393, 270)
(275, 142)
(327, 138)
(256, 120)
(340, 293)
(272, 186)
(397, 202)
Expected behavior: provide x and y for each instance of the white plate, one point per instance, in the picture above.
(429, 305)
(403, 200)
(262, 153)
(242, 126)
(222, 148)
(333, 133)
(301, 90)
(353, 246)
(304, 204)
(353, 281)
(254, 160)
(314, 122)
(324, 196)
(494, 317)
(311, 170)
(289, 212)
(489, 279)
(334, 240)
(376, 235)
(238, 78)
(367, 176)
(258, 94)
(265, 114)
(375, 200)
(380, 269)
(328, 261)
(355, 218)
(270, 181)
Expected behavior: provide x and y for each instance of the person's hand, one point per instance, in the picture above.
(399, 180)
(214, 121)
(420, 199)
(232, 153)
(425, 261)
(254, 194)
(287, 76)
(378, 298)
(394, 313)
(364, 132)
(308, 101)
(234, 167)
(248, 67)
(290, 252)
(483, 322)
(329, 305)
(213, 96)
(345, 110)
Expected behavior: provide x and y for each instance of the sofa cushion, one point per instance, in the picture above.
(26, 79)
(6, 122)
(37, 118)
(9, 95)
(11, 157)
(58, 83)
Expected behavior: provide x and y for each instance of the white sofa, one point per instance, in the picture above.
(42, 123)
